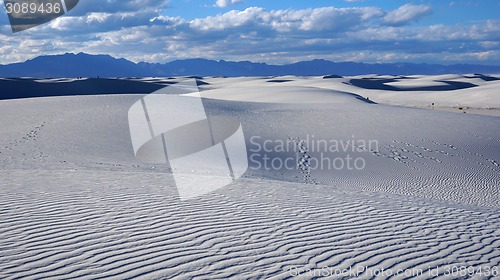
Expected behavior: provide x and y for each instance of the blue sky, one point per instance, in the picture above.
(273, 31)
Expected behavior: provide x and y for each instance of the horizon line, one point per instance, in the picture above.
(255, 62)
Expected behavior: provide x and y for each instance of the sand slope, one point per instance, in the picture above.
(77, 204)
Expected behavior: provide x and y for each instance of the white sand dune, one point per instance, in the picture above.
(480, 98)
(77, 204)
(281, 94)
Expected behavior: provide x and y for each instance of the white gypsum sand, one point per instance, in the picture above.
(480, 99)
(77, 204)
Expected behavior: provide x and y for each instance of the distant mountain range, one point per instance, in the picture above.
(86, 65)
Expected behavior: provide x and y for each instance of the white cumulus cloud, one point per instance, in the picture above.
(368, 34)
(226, 3)
(318, 19)
(406, 14)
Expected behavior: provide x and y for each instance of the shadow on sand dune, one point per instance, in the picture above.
(366, 100)
(380, 84)
(482, 77)
(357, 96)
(25, 88)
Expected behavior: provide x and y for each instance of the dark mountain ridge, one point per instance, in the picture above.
(86, 65)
